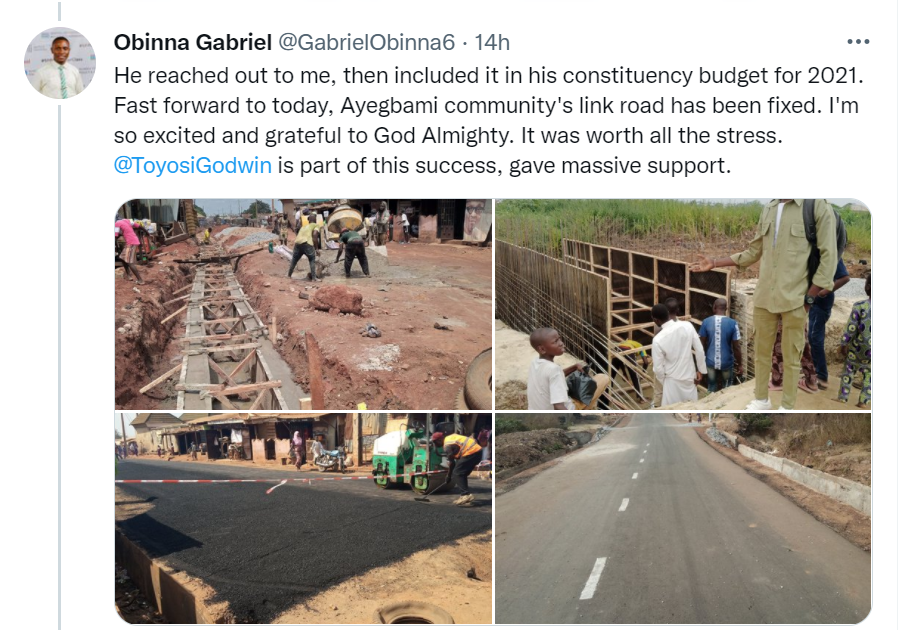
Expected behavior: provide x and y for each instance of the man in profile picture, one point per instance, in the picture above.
(58, 79)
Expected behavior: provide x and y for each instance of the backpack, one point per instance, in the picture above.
(810, 231)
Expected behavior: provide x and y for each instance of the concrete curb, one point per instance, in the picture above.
(843, 490)
(162, 587)
(730, 437)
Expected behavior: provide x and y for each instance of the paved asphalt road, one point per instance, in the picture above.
(263, 553)
(651, 525)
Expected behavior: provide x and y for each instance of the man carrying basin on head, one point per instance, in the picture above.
(464, 455)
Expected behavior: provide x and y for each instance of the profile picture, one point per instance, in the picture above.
(60, 63)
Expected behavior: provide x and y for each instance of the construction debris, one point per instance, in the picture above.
(337, 299)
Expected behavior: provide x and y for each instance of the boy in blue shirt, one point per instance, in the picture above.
(720, 337)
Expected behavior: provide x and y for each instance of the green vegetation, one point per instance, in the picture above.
(748, 423)
(540, 224)
(858, 230)
(258, 206)
(199, 211)
(811, 431)
(509, 424)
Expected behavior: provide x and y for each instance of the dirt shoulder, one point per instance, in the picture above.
(435, 576)
(837, 444)
(145, 348)
(846, 521)
(413, 365)
(521, 455)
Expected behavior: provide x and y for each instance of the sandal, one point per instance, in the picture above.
(802, 385)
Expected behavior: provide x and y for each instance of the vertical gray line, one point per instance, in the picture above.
(59, 361)
(60, 464)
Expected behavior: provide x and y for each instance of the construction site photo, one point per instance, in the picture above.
(711, 304)
(292, 304)
(683, 518)
(304, 517)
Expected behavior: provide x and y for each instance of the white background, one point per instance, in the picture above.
(820, 156)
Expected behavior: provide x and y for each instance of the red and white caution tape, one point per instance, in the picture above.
(282, 482)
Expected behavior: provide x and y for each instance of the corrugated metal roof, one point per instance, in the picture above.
(252, 418)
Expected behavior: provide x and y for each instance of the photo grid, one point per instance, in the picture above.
(318, 403)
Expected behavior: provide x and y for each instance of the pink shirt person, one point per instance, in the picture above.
(128, 231)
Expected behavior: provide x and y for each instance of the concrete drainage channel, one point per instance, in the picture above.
(229, 362)
(177, 599)
(418, 613)
(168, 591)
(843, 490)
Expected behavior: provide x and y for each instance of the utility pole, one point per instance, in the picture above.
(124, 439)
(359, 439)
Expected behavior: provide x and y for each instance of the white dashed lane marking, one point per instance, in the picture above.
(624, 505)
(634, 476)
(593, 580)
(642, 460)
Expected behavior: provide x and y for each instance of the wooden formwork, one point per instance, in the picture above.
(534, 290)
(598, 297)
(636, 282)
(222, 359)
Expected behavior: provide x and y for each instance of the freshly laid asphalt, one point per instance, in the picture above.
(651, 525)
(264, 553)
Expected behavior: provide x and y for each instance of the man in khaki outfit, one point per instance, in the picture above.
(782, 291)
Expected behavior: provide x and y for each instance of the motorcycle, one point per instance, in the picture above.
(332, 461)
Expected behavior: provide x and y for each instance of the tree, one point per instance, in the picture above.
(118, 434)
(199, 211)
(258, 206)
(753, 422)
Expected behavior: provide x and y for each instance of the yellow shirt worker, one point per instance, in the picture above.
(783, 291)
(58, 79)
(304, 246)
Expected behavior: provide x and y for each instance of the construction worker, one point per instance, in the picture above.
(464, 455)
(305, 244)
(351, 243)
(382, 222)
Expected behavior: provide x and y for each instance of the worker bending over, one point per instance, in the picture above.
(351, 242)
(464, 454)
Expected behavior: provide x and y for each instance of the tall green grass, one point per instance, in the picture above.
(540, 224)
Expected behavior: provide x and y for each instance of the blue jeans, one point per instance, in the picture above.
(817, 333)
(713, 378)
